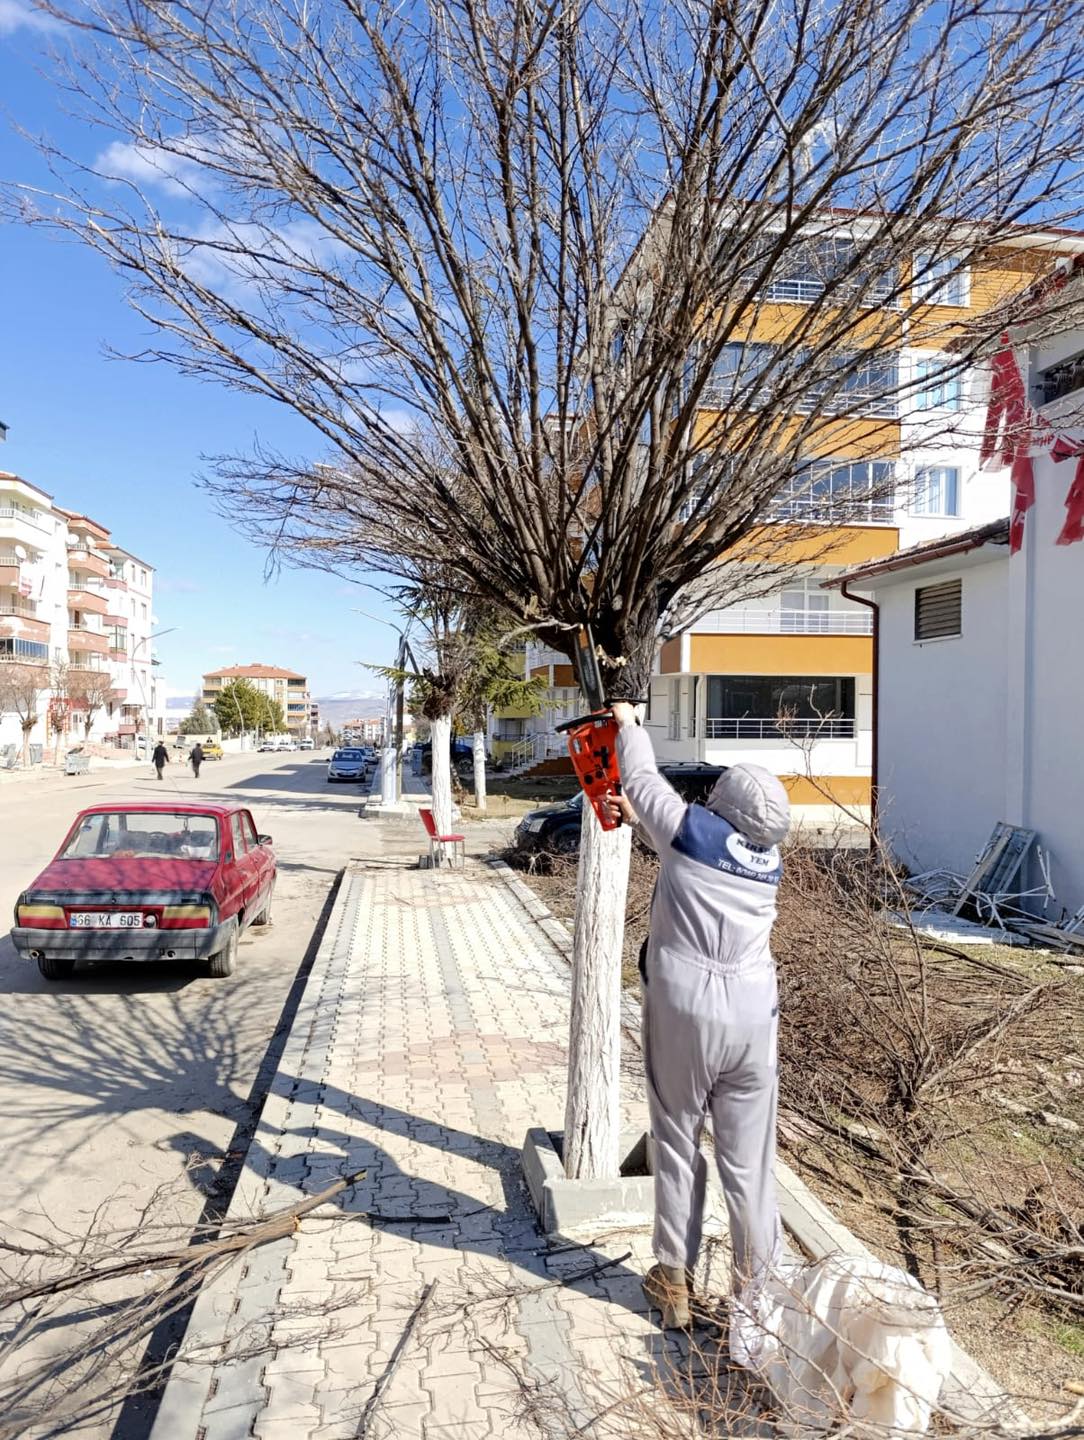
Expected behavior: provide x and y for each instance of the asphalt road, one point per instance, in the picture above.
(132, 1079)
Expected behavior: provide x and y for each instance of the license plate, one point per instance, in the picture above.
(106, 920)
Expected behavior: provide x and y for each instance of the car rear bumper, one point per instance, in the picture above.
(121, 944)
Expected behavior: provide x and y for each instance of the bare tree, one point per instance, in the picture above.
(527, 262)
(89, 691)
(21, 690)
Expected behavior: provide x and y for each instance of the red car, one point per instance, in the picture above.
(148, 882)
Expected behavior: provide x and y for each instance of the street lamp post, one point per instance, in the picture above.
(155, 635)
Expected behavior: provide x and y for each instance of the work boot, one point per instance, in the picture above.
(667, 1290)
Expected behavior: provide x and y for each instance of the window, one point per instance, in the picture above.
(804, 609)
(737, 371)
(674, 728)
(143, 578)
(862, 383)
(749, 707)
(249, 830)
(238, 836)
(815, 264)
(937, 491)
(838, 491)
(1058, 380)
(938, 610)
(944, 281)
(694, 704)
(181, 836)
(25, 649)
(939, 391)
(143, 608)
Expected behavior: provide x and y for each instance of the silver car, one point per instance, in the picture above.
(347, 765)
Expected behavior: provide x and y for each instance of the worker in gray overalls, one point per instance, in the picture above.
(710, 1019)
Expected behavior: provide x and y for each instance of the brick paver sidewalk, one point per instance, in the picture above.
(431, 1035)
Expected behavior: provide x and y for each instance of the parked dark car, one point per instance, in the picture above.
(557, 827)
(462, 755)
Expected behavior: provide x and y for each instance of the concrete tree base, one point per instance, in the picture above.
(565, 1205)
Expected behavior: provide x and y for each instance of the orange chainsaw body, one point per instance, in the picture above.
(592, 744)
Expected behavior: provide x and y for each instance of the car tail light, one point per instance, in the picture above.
(30, 916)
(186, 917)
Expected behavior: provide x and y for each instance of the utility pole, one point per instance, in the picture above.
(399, 689)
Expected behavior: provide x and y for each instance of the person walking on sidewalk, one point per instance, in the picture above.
(196, 758)
(160, 758)
(710, 1021)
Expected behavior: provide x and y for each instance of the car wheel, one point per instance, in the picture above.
(221, 965)
(55, 967)
(264, 917)
(567, 841)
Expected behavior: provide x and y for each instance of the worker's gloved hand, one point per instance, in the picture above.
(618, 808)
(623, 713)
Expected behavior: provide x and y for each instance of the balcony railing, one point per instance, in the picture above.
(30, 517)
(785, 622)
(18, 607)
(772, 728)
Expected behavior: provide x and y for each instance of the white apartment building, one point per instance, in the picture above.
(73, 603)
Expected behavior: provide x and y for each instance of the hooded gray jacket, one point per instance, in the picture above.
(715, 900)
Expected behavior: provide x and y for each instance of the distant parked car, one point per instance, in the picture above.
(212, 750)
(347, 765)
(306, 744)
(148, 882)
(557, 827)
(267, 747)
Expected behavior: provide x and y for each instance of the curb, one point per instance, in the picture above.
(971, 1393)
(219, 1318)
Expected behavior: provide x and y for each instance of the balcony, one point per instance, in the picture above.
(18, 619)
(89, 562)
(16, 519)
(785, 622)
(80, 599)
(773, 728)
(82, 641)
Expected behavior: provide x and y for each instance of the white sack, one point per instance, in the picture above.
(845, 1339)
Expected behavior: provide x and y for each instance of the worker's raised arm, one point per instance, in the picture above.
(658, 806)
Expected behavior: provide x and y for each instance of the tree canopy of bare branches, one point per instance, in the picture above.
(505, 255)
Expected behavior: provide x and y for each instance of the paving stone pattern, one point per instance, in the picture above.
(432, 1034)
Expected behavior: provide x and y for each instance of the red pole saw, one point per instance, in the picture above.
(592, 738)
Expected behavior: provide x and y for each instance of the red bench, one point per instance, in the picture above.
(435, 839)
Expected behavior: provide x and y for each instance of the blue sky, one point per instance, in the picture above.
(123, 442)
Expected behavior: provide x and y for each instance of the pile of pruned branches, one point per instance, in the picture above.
(906, 1070)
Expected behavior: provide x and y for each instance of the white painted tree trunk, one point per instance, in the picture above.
(441, 736)
(479, 769)
(593, 1106)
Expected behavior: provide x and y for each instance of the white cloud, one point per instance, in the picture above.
(145, 165)
(18, 14)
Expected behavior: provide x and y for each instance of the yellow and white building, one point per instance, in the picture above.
(719, 688)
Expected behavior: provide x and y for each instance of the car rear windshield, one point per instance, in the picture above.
(142, 834)
(348, 755)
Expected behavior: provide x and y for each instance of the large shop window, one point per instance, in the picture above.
(750, 707)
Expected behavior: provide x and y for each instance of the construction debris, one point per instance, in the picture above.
(983, 908)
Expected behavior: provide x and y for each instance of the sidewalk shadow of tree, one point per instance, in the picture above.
(434, 1215)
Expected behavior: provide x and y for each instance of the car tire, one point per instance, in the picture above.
(56, 967)
(263, 919)
(566, 841)
(221, 965)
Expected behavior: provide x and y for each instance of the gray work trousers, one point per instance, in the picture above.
(710, 1044)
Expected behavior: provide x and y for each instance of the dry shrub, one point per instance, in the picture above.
(899, 1062)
